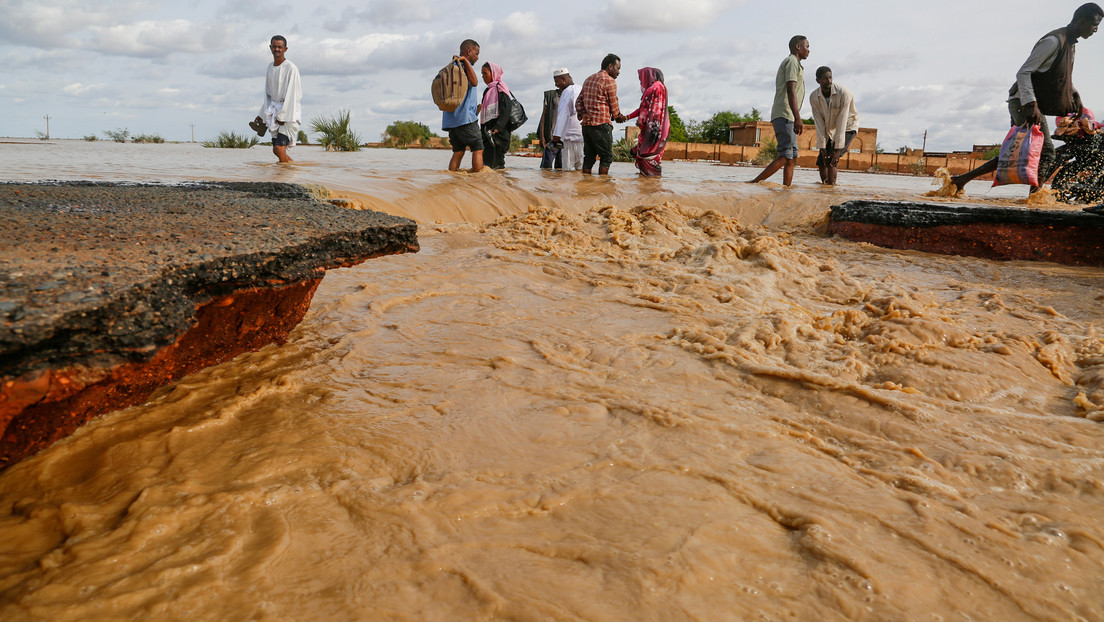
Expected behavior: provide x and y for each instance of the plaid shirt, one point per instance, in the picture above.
(597, 102)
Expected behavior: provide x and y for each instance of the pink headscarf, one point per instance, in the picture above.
(490, 97)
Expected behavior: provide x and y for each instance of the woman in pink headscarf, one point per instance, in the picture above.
(494, 115)
(653, 121)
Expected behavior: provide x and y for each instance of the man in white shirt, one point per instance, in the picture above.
(568, 129)
(280, 113)
(1044, 86)
(836, 122)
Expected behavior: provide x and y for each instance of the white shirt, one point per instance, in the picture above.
(834, 117)
(282, 94)
(567, 122)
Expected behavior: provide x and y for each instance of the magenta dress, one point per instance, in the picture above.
(653, 121)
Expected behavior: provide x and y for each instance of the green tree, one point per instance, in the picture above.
(622, 150)
(232, 140)
(678, 129)
(768, 151)
(335, 132)
(402, 133)
(715, 129)
(119, 136)
(694, 131)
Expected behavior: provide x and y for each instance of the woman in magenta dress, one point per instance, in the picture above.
(653, 121)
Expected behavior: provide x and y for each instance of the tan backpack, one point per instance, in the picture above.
(450, 87)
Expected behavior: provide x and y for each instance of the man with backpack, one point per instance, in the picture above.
(462, 124)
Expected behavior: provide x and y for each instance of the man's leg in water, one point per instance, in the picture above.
(771, 169)
(280, 142)
(787, 172)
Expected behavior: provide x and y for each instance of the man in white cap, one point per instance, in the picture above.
(567, 131)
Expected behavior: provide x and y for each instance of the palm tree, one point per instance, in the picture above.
(231, 140)
(335, 132)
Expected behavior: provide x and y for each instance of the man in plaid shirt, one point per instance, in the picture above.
(597, 109)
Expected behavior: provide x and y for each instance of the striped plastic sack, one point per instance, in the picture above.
(1018, 162)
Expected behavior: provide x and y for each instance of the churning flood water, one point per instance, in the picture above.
(592, 399)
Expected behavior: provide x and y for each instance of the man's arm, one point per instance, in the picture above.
(580, 104)
(795, 106)
(1041, 58)
(840, 135)
(468, 69)
(293, 94)
(820, 118)
(614, 104)
(267, 98)
(541, 127)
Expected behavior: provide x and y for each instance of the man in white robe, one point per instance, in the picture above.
(281, 112)
(567, 129)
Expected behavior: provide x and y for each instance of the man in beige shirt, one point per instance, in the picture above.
(836, 122)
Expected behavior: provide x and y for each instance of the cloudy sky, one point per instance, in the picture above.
(157, 67)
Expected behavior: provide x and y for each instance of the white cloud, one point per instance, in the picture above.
(875, 62)
(903, 99)
(394, 12)
(520, 26)
(150, 39)
(336, 56)
(56, 23)
(77, 88)
(664, 15)
(403, 106)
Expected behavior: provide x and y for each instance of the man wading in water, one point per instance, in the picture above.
(280, 113)
(1044, 86)
(789, 92)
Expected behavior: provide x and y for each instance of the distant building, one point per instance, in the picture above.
(979, 151)
(753, 133)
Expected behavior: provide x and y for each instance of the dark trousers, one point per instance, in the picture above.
(597, 145)
(495, 147)
(552, 158)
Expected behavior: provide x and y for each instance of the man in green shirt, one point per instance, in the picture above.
(786, 112)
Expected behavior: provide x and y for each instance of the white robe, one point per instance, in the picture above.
(282, 94)
(567, 122)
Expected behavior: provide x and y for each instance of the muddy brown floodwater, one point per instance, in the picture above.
(594, 400)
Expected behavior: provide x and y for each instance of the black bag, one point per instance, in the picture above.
(517, 115)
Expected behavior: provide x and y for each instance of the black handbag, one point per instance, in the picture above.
(517, 115)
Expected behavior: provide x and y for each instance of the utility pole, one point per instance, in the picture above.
(924, 149)
(47, 117)
(193, 132)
